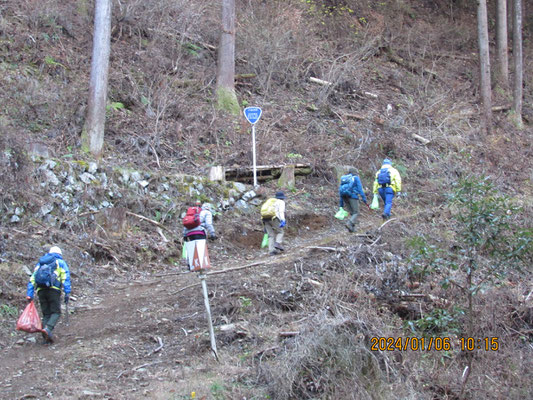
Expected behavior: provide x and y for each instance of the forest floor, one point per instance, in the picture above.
(148, 338)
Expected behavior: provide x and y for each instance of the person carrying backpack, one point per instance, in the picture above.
(350, 189)
(197, 226)
(50, 276)
(388, 183)
(203, 225)
(273, 218)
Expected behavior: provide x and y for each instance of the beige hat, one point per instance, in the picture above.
(56, 250)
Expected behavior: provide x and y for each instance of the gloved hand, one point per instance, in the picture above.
(213, 237)
(282, 224)
(28, 298)
(67, 297)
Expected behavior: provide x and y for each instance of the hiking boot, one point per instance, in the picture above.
(385, 217)
(279, 247)
(47, 335)
(350, 227)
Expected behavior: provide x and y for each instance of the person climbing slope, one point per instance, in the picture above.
(350, 189)
(50, 276)
(388, 183)
(273, 218)
(197, 225)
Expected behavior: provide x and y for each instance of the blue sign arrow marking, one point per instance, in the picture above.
(252, 114)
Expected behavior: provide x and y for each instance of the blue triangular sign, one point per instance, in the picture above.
(252, 114)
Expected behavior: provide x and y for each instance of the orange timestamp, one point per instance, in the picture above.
(410, 343)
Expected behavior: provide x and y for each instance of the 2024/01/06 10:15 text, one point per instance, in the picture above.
(432, 343)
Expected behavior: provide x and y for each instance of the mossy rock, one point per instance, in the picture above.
(227, 101)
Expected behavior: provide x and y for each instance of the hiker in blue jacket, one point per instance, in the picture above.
(350, 190)
(48, 288)
(388, 183)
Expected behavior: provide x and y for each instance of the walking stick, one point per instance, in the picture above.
(66, 312)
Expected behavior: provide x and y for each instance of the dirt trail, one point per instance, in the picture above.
(143, 339)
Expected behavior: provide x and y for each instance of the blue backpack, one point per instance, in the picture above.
(45, 277)
(384, 177)
(346, 184)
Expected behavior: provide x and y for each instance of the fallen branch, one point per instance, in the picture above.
(146, 365)
(409, 65)
(161, 234)
(158, 340)
(223, 271)
(402, 296)
(321, 248)
(375, 241)
(148, 220)
(186, 287)
(386, 222)
(261, 353)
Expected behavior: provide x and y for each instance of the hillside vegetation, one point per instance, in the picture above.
(403, 80)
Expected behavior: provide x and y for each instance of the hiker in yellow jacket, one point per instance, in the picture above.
(273, 217)
(388, 183)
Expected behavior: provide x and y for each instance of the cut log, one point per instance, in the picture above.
(421, 139)
(371, 95)
(286, 180)
(319, 81)
(264, 172)
(216, 174)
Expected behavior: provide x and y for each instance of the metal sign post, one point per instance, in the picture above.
(253, 114)
(208, 311)
(198, 260)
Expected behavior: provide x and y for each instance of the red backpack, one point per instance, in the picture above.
(192, 217)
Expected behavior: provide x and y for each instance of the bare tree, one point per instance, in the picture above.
(501, 44)
(484, 62)
(517, 60)
(93, 131)
(226, 97)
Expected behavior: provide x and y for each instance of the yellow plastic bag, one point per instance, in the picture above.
(375, 203)
(264, 243)
(341, 214)
(184, 252)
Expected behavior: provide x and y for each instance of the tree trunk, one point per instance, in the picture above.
(517, 59)
(510, 15)
(501, 45)
(484, 62)
(226, 97)
(93, 131)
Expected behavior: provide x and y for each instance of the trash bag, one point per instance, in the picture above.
(264, 243)
(341, 214)
(375, 202)
(29, 320)
(184, 251)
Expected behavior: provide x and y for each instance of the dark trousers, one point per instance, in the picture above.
(352, 206)
(50, 307)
